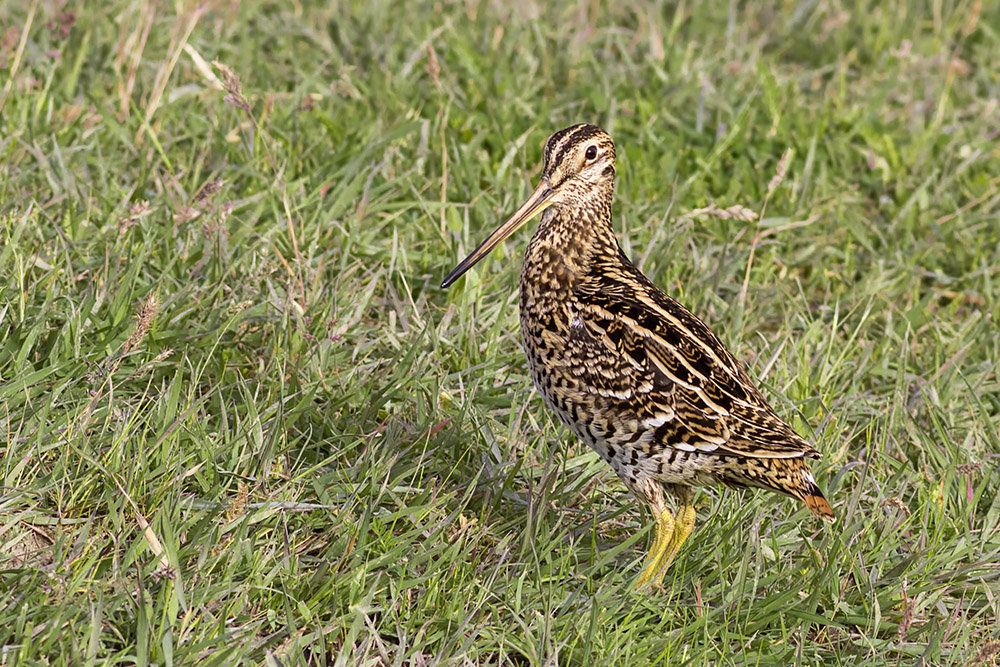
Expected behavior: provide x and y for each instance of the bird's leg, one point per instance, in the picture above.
(682, 528)
(670, 535)
(652, 573)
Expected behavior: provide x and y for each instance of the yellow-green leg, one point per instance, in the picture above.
(670, 535)
(664, 535)
(682, 528)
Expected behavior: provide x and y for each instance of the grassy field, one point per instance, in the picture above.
(241, 423)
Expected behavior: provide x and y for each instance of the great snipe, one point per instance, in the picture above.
(627, 368)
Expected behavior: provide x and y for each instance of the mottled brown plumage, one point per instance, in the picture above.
(627, 368)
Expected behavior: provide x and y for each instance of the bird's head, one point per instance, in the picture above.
(579, 167)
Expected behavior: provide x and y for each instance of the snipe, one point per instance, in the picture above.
(628, 369)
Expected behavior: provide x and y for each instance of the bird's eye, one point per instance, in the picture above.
(591, 153)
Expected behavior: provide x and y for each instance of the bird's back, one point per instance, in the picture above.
(646, 383)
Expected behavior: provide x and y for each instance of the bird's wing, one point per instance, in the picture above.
(687, 384)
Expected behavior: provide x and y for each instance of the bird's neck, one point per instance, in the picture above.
(569, 241)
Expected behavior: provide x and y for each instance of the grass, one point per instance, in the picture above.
(242, 423)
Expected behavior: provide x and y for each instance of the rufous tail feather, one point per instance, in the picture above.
(814, 498)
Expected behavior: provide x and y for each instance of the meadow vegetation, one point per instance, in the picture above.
(241, 422)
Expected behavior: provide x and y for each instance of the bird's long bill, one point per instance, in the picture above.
(539, 200)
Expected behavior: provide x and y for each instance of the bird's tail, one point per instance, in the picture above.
(819, 505)
(788, 476)
(809, 493)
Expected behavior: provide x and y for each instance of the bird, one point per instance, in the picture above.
(627, 368)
